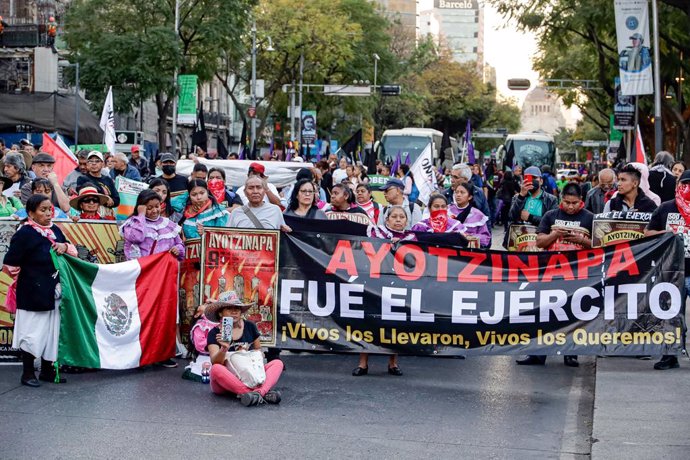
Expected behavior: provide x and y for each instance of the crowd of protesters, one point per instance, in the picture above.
(176, 207)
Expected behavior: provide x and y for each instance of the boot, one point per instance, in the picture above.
(28, 373)
(49, 373)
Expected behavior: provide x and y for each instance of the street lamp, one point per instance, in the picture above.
(376, 68)
(76, 100)
(211, 100)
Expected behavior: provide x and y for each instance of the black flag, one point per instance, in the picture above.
(222, 149)
(445, 144)
(353, 145)
(199, 135)
(243, 142)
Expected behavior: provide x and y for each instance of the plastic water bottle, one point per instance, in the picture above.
(206, 373)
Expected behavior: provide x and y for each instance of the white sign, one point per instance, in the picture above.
(424, 174)
(634, 56)
(346, 90)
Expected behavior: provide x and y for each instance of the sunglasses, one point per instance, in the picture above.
(90, 200)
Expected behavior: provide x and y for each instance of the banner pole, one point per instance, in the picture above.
(658, 128)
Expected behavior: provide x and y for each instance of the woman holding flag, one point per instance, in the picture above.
(38, 293)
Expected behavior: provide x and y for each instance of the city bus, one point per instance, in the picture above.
(412, 141)
(527, 149)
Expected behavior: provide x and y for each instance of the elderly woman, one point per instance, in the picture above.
(438, 220)
(8, 204)
(395, 222)
(147, 232)
(15, 169)
(200, 209)
(245, 336)
(37, 321)
(303, 201)
(88, 202)
(42, 187)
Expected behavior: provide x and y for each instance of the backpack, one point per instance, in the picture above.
(199, 334)
(414, 194)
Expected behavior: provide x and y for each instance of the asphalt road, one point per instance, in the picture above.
(441, 408)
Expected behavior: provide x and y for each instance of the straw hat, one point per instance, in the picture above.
(88, 191)
(229, 299)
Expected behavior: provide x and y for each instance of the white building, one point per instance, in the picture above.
(542, 110)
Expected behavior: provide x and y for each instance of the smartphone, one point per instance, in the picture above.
(226, 329)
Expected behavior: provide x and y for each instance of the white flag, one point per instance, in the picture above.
(108, 122)
(424, 176)
(634, 55)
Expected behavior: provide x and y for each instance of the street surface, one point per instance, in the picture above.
(441, 408)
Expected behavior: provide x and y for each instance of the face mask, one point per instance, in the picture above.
(217, 188)
(168, 170)
(439, 220)
(684, 192)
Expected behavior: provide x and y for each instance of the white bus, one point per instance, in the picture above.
(412, 141)
(527, 149)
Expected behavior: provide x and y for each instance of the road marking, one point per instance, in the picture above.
(218, 435)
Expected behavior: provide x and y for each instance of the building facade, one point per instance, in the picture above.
(542, 110)
(457, 25)
(404, 11)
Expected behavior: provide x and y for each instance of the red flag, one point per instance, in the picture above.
(639, 155)
(65, 161)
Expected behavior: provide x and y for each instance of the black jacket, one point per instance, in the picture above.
(642, 203)
(548, 202)
(662, 182)
(37, 279)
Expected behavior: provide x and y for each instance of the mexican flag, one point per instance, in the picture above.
(117, 316)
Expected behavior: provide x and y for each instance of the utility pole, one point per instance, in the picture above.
(253, 119)
(658, 121)
(174, 115)
(301, 87)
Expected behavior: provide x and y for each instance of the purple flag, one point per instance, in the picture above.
(396, 164)
(407, 159)
(241, 157)
(468, 143)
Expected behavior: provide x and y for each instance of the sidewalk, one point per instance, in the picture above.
(639, 412)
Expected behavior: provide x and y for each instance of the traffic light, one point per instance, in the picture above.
(390, 90)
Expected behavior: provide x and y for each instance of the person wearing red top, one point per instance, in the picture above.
(88, 203)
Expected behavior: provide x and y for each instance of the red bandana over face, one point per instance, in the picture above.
(439, 220)
(217, 188)
(683, 201)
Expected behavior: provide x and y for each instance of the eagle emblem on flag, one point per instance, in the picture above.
(117, 317)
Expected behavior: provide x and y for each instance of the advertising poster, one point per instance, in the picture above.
(97, 241)
(246, 262)
(308, 127)
(618, 227)
(623, 109)
(634, 55)
(522, 238)
(190, 277)
(186, 111)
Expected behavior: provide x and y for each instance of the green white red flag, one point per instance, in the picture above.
(117, 316)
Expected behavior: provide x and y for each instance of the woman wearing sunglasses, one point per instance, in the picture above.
(88, 202)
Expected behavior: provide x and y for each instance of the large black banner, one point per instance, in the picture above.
(356, 294)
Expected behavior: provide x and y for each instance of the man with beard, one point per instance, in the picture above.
(674, 216)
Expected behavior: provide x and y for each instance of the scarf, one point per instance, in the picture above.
(44, 231)
(189, 213)
(439, 220)
(368, 207)
(217, 188)
(94, 216)
(683, 201)
(464, 213)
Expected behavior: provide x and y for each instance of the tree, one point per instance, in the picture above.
(131, 46)
(577, 40)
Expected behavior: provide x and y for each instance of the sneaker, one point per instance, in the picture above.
(170, 363)
(251, 399)
(272, 397)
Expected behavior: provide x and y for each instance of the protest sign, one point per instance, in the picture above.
(190, 277)
(618, 227)
(522, 238)
(97, 241)
(129, 190)
(244, 261)
(367, 295)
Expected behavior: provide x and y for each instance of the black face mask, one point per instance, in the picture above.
(168, 170)
(536, 184)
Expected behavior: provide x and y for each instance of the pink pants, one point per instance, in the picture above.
(224, 381)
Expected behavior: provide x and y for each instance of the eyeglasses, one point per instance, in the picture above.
(307, 192)
(90, 200)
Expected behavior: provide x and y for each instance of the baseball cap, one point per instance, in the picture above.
(94, 153)
(43, 158)
(532, 171)
(636, 36)
(135, 148)
(685, 176)
(393, 183)
(257, 167)
(167, 157)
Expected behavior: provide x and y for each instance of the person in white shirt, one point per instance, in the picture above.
(268, 216)
(340, 174)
